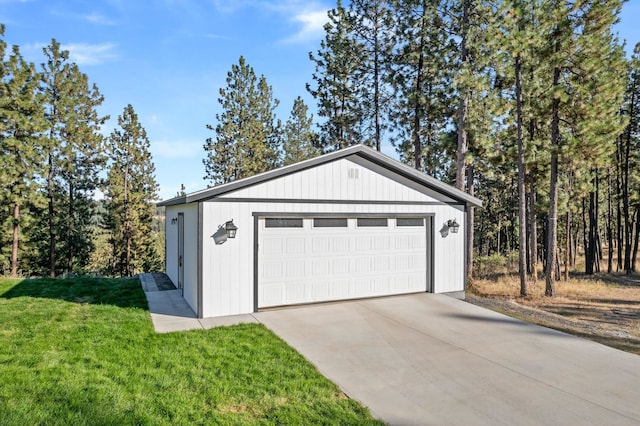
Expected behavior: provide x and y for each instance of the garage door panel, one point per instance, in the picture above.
(362, 265)
(306, 265)
(272, 270)
(320, 245)
(295, 245)
(272, 245)
(381, 263)
(295, 270)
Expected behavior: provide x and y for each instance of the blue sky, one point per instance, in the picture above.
(168, 58)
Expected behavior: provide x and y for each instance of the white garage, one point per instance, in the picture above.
(346, 225)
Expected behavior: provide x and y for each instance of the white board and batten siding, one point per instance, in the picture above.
(191, 253)
(341, 180)
(343, 188)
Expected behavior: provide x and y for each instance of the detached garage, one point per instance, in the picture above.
(346, 225)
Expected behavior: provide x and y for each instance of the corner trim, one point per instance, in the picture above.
(199, 283)
(431, 256)
(255, 262)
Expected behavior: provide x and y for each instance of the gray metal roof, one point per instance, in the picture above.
(359, 150)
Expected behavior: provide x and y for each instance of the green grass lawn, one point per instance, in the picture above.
(83, 351)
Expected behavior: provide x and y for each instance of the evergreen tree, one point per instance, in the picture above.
(130, 190)
(628, 161)
(422, 80)
(300, 141)
(21, 121)
(478, 99)
(247, 135)
(586, 94)
(336, 85)
(373, 30)
(516, 43)
(74, 158)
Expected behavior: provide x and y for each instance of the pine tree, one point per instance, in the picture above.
(74, 158)
(130, 190)
(478, 99)
(300, 141)
(373, 29)
(22, 120)
(247, 136)
(516, 43)
(628, 161)
(421, 78)
(587, 93)
(336, 86)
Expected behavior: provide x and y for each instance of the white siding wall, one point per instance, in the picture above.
(190, 212)
(339, 180)
(228, 268)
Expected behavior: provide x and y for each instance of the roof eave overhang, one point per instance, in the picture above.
(360, 150)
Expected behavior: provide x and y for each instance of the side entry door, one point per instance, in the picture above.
(181, 252)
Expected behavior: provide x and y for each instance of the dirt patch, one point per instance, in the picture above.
(603, 309)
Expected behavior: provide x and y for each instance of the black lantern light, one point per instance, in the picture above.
(230, 228)
(453, 226)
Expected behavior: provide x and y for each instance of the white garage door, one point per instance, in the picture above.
(306, 260)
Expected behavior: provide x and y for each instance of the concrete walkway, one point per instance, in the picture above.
(430, 359)
(170, 312)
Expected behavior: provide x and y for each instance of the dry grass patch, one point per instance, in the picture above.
(602, 308)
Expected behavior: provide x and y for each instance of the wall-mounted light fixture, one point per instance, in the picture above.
(174, 220)
(231, 228)
(228, 230)
(453, 225)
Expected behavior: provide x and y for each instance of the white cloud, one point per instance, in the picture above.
(90, 54)
(176, 149)
(309, 16)
(312, 23)
(96, 18)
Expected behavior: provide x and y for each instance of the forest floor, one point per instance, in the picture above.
(603, 308)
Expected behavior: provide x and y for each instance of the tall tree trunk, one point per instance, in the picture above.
(463, 107)
(533, 238)
(470, 224)
(590, 252)
(376, 84)
(528, 227)
(609, 228)
(635, 239)
(567, 246)
(596, 221)
(625, 189)
(71, 212)
(619, 235)
(585, 239)
(417, 144)
(625, 203)
(552, 231)
(51, 218)
(15, 242)
(127, 224)
(522, 199)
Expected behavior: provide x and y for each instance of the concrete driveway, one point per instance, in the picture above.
(431, 359)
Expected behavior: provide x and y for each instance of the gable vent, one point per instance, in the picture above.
(354, 173)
